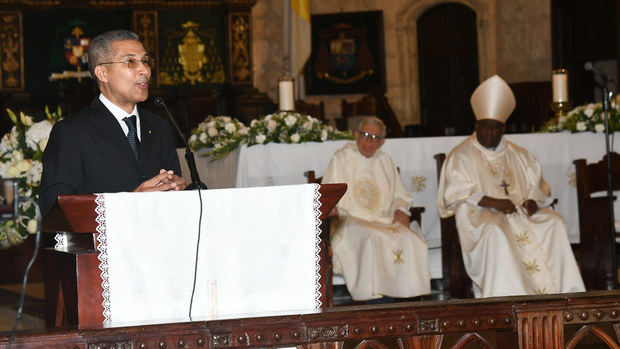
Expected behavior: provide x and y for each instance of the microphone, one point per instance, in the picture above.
(189, 156)
(590, 67)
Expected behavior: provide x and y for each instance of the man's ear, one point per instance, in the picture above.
(101, 73)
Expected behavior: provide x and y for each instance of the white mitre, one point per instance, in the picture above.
(493, 99)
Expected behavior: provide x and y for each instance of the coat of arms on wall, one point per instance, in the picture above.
(191, 53)
(347, 53)
(76, 46)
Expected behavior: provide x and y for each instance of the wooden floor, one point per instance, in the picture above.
(34, 307)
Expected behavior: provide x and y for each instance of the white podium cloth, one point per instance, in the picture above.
(258, 253)
(284, 164)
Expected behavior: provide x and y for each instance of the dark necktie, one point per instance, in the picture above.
(132, 136)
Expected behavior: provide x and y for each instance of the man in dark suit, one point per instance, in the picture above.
(112, 145)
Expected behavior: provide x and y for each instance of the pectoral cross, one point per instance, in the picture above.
(505, 186)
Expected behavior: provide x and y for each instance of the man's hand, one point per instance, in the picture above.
(531, 206)
(401, 217)
(164, 181)
(502, 205)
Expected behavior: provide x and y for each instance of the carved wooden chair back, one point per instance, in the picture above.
(314, 110)
(597, 239)
(456, 282)
(351, 112)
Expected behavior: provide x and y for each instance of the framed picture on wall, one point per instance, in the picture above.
(348, 53)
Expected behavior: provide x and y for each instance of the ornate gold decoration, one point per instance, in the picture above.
(572, 179)
(532, 267)
(11, 51)
(191, 56)
(367, 194)
(541, 291)
(418, 183)
(398, 256)
(523, 239)
(145, 25)
(502, 173)
(240, 48)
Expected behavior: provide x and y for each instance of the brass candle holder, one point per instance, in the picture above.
(560, 109)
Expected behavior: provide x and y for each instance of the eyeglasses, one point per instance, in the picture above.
(373, 137)
(132, 63)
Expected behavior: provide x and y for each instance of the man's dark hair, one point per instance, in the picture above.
(100, 48)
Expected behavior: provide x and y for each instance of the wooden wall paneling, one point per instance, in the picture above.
(541, 329)
(11, 51)
(596, 331)
(144, 23)
(419, 342)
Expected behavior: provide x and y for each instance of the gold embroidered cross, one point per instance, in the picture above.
(398, 256)
(505, 186)
(523, 239)
(532, 267)
(541, 291)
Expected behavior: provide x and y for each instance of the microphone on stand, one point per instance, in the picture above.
(590, 67)
(189, 156)
(610, 191)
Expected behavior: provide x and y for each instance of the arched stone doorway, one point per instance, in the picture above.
(407, 40)
(448, 68)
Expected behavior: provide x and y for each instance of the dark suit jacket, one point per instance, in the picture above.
(89, 153)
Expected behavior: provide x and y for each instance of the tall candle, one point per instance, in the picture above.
(285, 91)
(559, 85)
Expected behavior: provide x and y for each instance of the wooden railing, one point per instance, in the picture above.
(556, 321)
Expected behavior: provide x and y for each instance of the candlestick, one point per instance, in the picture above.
(286, 93)
(559, 84)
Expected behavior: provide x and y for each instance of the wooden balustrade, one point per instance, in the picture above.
(546, 321)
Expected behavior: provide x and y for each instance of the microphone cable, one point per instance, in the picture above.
(22, 295)
(191, 301)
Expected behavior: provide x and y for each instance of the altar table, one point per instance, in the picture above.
(282, 164)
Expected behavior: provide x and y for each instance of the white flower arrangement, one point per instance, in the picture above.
(585, 118)
(291, 127)
(224, 134)
(21, 152)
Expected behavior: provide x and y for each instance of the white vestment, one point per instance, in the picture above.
(376, 257)
(506, 254)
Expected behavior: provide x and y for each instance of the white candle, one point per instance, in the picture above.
(560, 85)
(285, 91)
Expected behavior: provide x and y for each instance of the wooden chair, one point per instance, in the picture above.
(456, 283)
(416, 215)
(374, 104)
(352, 111)
(314, 110)
(596, 241)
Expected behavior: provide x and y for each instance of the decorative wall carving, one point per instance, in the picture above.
(145, 25)
(240, 48)
(11, 51)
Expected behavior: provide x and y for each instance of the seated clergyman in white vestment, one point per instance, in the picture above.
(512, 243)
(373, 246)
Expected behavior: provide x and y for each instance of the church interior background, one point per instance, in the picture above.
(224, 57)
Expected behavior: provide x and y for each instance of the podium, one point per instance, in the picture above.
(73, 290)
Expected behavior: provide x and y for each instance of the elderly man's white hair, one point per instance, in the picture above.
(372, 120)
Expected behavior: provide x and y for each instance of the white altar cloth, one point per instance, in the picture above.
(282, 164)
(258, 253)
